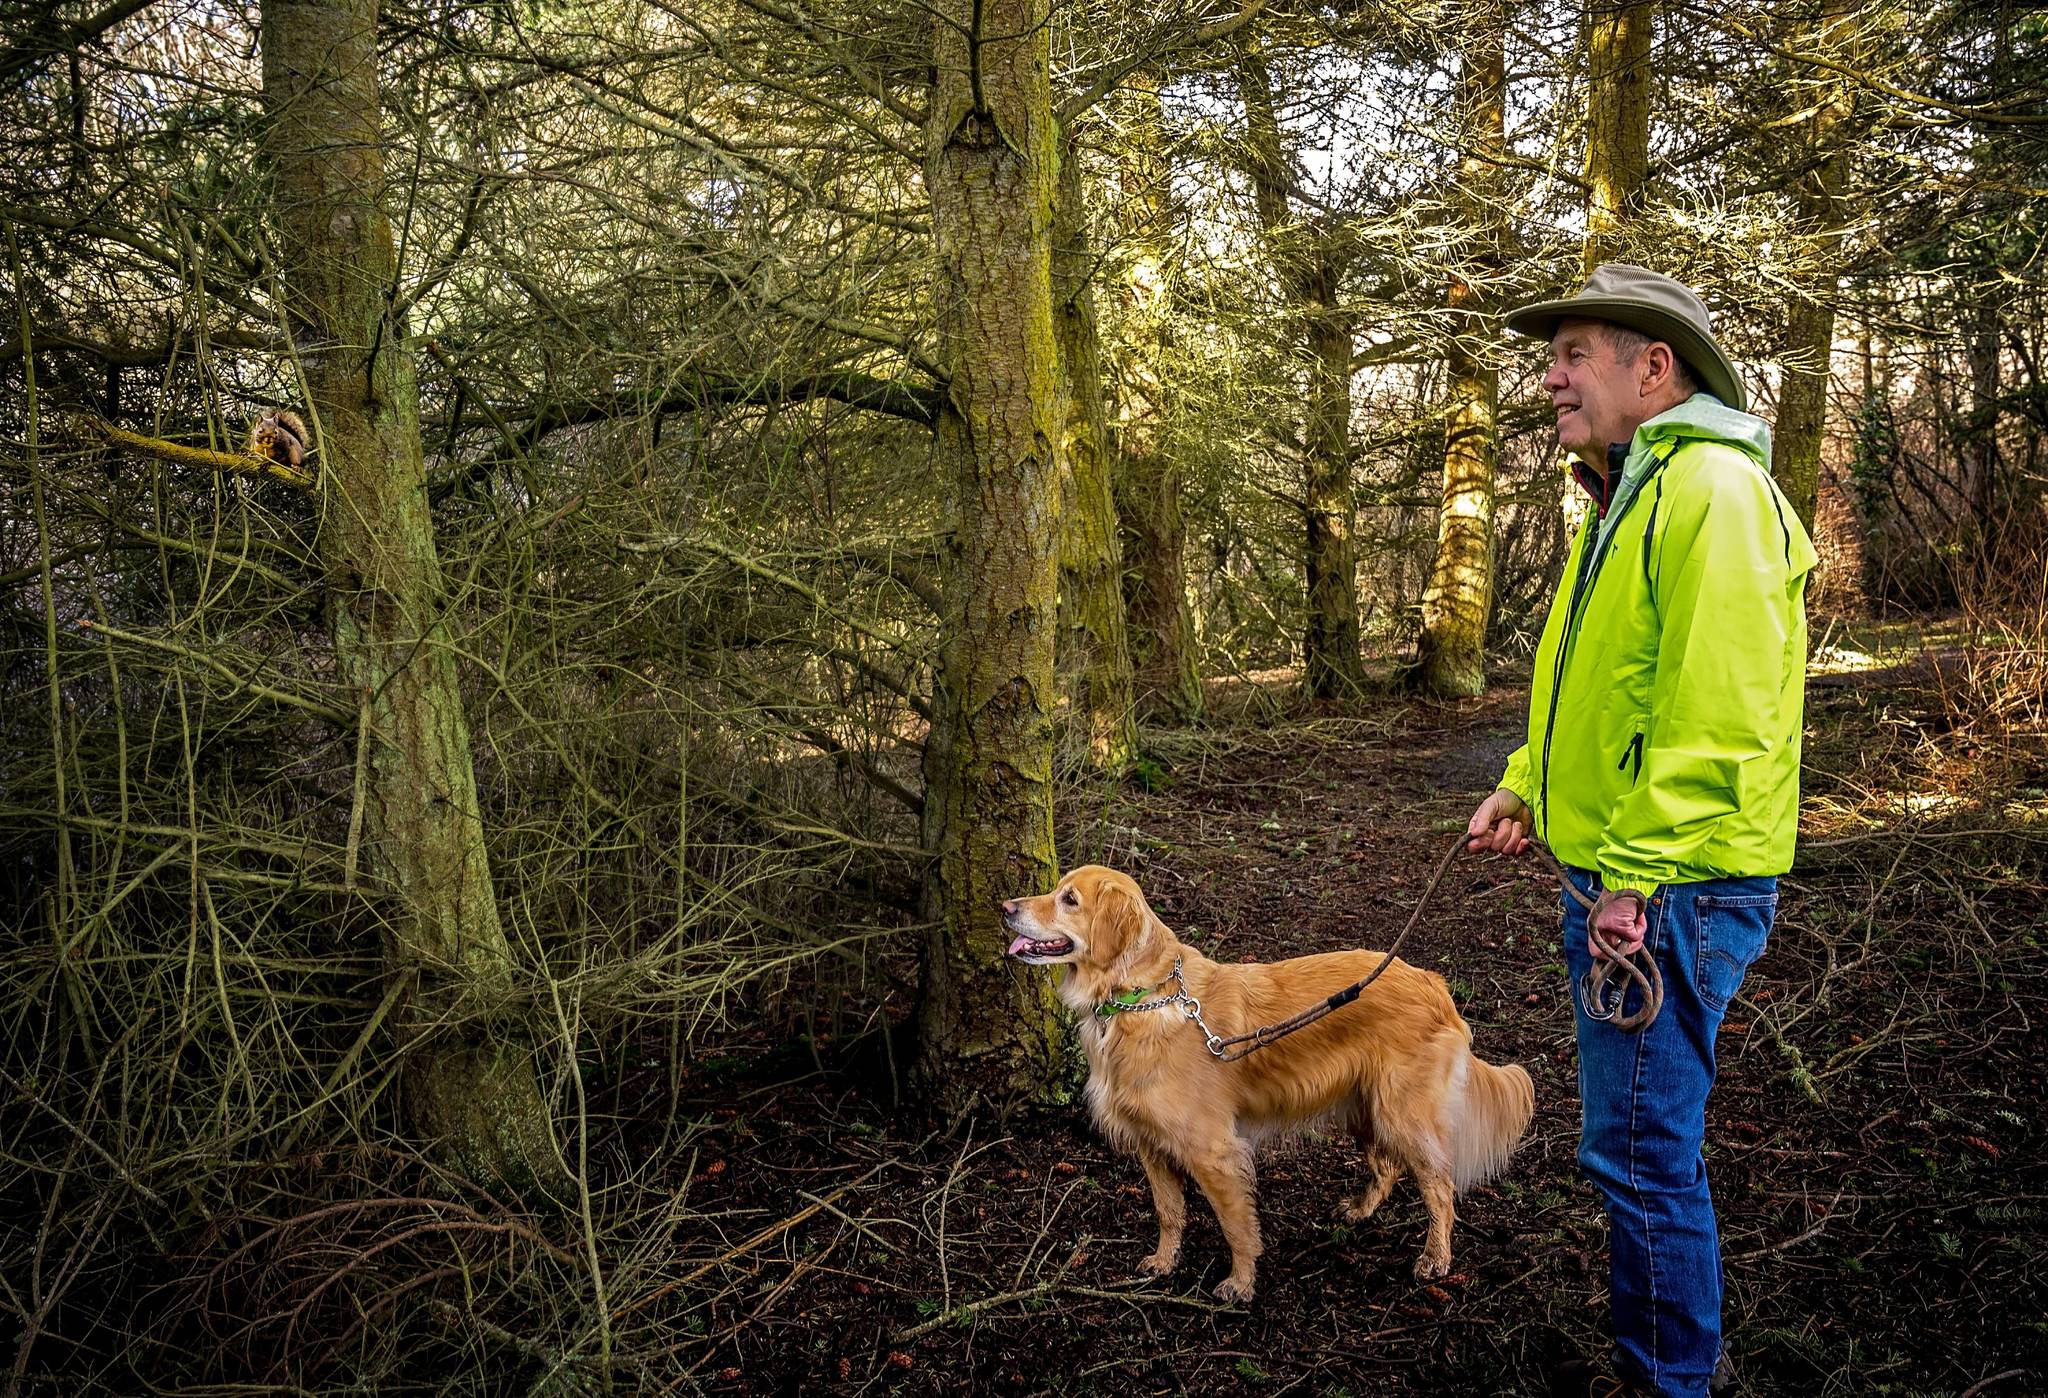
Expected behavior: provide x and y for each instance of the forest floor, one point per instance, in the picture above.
(1875, 1139)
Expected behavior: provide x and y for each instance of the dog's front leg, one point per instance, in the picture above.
(1225, 1175)
(1170, 1202)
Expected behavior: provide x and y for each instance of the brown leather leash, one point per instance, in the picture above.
(1592, 989)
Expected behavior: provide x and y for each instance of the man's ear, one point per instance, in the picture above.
(1663, 365)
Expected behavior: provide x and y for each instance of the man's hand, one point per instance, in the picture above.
(1501, 824)
(1620, 917)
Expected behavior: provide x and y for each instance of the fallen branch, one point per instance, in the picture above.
(968, 1310)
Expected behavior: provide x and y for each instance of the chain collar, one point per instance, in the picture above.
(1190, 1007)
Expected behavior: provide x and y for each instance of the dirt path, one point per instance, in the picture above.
(1875, 1136)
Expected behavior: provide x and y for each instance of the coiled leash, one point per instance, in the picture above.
(1592, 988)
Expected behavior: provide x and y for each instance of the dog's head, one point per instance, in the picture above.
(1093, 918)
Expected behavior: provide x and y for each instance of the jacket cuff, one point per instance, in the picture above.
(1628, 883)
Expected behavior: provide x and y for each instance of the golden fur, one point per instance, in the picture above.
(1394, 1067)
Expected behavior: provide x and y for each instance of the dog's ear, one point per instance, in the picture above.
(1119, 923)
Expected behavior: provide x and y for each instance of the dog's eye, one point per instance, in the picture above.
(1070, 899)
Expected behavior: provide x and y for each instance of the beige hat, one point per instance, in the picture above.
(1643, 300)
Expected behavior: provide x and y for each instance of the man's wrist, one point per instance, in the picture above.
(1609, 897)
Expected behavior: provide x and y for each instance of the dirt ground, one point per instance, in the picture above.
(1875, 1138)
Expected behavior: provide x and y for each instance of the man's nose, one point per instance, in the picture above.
(1555, 381)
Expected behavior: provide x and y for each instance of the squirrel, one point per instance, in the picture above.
(280, 434)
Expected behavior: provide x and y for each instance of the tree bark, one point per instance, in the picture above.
(990, 1030)
(1093, 654)
(1456, 604)
(470, 1089)
(1161, 625)
(1810, 325)
(1309, 268)
(1618, 36)
(1985, 348)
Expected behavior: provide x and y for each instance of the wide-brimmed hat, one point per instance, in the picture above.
(1648, 301)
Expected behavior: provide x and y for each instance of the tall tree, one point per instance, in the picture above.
(1308, 258)
(1825, 150)
(1148, 469)
(1618, 34)
(1094, 656)
(470, 1085)
(992, 161)
(1451, 650)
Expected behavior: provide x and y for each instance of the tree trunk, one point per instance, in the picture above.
(1093, 655)
(1309, 269)
(1810, 325)
(469, 1080)
(1451, 650)
(1333, 659)
(989, 1029)
(1981, 454)
(1148, 483)
(1617, 122)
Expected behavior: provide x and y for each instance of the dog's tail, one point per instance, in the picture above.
(1488, 1116)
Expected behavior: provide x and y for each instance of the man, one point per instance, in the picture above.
(1662, 768)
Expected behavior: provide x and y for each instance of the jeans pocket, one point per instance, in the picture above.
(1733, 929)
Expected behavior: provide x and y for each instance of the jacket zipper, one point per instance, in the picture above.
(1582, 586)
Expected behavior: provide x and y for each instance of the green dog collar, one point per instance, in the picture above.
(1117, 1004)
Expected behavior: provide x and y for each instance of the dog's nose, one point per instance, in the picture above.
(1010, 907)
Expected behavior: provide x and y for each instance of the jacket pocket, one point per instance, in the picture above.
(1733, 930)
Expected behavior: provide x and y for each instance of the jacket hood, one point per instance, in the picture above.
(1705, 418)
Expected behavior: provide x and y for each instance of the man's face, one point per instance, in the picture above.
(1598, 396)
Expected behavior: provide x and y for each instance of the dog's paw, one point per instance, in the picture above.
(1428, 1268)
(1356, 1210)
(1158, 1264)
(1232, 1291)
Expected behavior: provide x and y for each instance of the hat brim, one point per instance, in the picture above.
(1714, 369)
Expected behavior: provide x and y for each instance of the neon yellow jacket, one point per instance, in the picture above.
(1664, 720)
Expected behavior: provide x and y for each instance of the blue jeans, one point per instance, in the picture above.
(1645, 1099)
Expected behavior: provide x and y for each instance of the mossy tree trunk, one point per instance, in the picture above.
(1456, 604)
(1333, 659)
(470, 1089)
(990, 1030)
(1825, 153)
(1161, 624)
(1309, 267)
(1094, 656)
(1618, 34)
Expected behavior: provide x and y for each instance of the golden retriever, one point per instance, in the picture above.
(1395, 1067)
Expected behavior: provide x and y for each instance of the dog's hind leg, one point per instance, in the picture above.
(1225, 1174)
(1442, 1198)
(1170, 1202)
(1386, 1173)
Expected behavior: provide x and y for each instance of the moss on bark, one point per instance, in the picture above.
(1094, 657)
(1617, 122)
(1458, 600)
(991, 1030)
(474, 1094)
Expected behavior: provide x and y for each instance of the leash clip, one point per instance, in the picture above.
(1593, 999)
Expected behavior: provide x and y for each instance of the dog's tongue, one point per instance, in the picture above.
(1019, 945)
